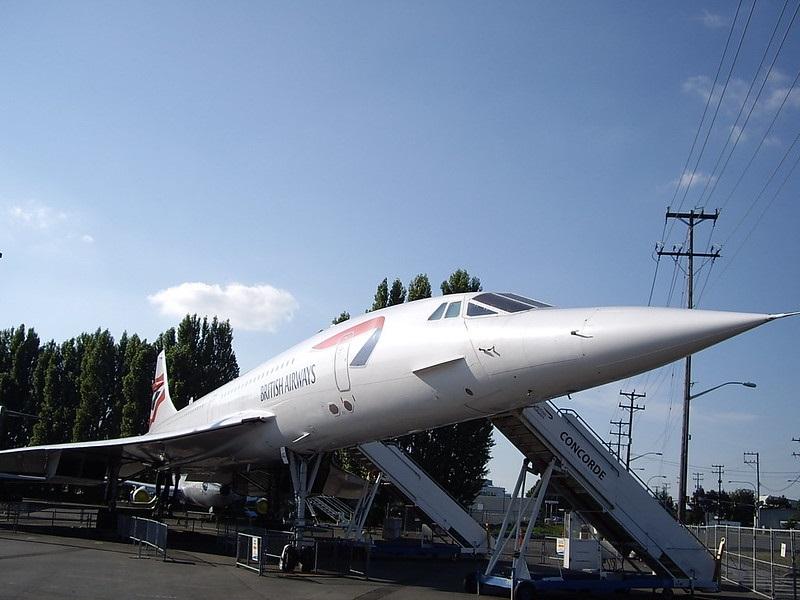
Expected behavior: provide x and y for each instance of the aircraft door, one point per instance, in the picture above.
(341, 366)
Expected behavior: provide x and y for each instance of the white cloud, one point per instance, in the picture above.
(35, 215)
(711, 20)
(693, 179)
(253, 308)
(738, 134)
(87, 239)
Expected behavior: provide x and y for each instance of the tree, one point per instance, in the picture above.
(397, 294)
(200, 357)
(140, 359)
(343, 316)
(743, 503)
(460, 282)
(662, 495)
(419, 287)
(381, 296)
(16, 384)
(97, 386)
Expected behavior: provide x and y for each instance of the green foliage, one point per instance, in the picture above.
(381, 296)
(91, 387)
(343, 316)
(419, 288)
(200, 357)
(136, 386)
(397, 294)
(16, 383)
(460, 282)
(93, 418)
(456, 456)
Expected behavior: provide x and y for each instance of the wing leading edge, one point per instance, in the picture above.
(214, 445)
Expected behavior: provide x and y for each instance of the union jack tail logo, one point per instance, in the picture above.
(159, 395)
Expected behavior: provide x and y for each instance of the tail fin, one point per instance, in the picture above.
(161, 405)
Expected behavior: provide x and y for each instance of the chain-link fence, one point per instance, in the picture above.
(760, 560)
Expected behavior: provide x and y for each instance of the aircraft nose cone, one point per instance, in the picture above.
(620, 342)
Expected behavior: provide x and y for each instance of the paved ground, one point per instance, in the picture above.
(75, 565)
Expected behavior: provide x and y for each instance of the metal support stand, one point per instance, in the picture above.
(302, 481)
(531, 508)
(112, 481)
(355, 528)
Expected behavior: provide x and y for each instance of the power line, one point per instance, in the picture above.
(741, 129)
(631, 408)
(719, 104)
(766, 208)
(716, 110)
(763, 137)
(705, 110)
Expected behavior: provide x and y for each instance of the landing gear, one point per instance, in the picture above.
(166, 492)
(303, 469)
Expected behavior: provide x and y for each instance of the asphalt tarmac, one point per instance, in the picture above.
(77, 565)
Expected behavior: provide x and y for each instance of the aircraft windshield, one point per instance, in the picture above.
(508, 302)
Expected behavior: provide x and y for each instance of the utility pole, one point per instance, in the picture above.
(618, 433)
(690, 219)
(720, 470)
(757, 463)
(796, 453)
(698, 477)
(631, 408)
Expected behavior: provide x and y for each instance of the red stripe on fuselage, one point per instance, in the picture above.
(158, 382)
(161, 397)
(376, 323)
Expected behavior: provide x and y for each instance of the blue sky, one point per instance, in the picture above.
(304, 151)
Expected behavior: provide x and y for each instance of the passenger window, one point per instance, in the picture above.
(453, 310)
(474, 310)
(437, 314)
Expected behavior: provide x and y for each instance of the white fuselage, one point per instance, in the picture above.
(395, 371)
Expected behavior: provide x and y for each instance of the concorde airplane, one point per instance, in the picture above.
(406, 368)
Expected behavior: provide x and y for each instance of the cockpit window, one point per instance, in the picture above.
(523, 299)
(502, 302)
(437, 314)
(508, 302)
(453, 310)
(476, 310)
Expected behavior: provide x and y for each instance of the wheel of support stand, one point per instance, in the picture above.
(307, 559)
(288, 559)
(525, 590)
(471, 583)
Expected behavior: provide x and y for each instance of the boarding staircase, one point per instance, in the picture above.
(412, 481)
(335, 509)
(616, 502)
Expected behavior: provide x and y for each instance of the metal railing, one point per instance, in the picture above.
(145, 533)
(338, 556)
(34, 513)
(249, 552)
(760, 560)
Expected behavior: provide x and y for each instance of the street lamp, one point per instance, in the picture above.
(647, 454)
(655, 477)
(748, 384)
(756, 507)
(685, 443)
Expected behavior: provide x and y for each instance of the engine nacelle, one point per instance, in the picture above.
(140, 495)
